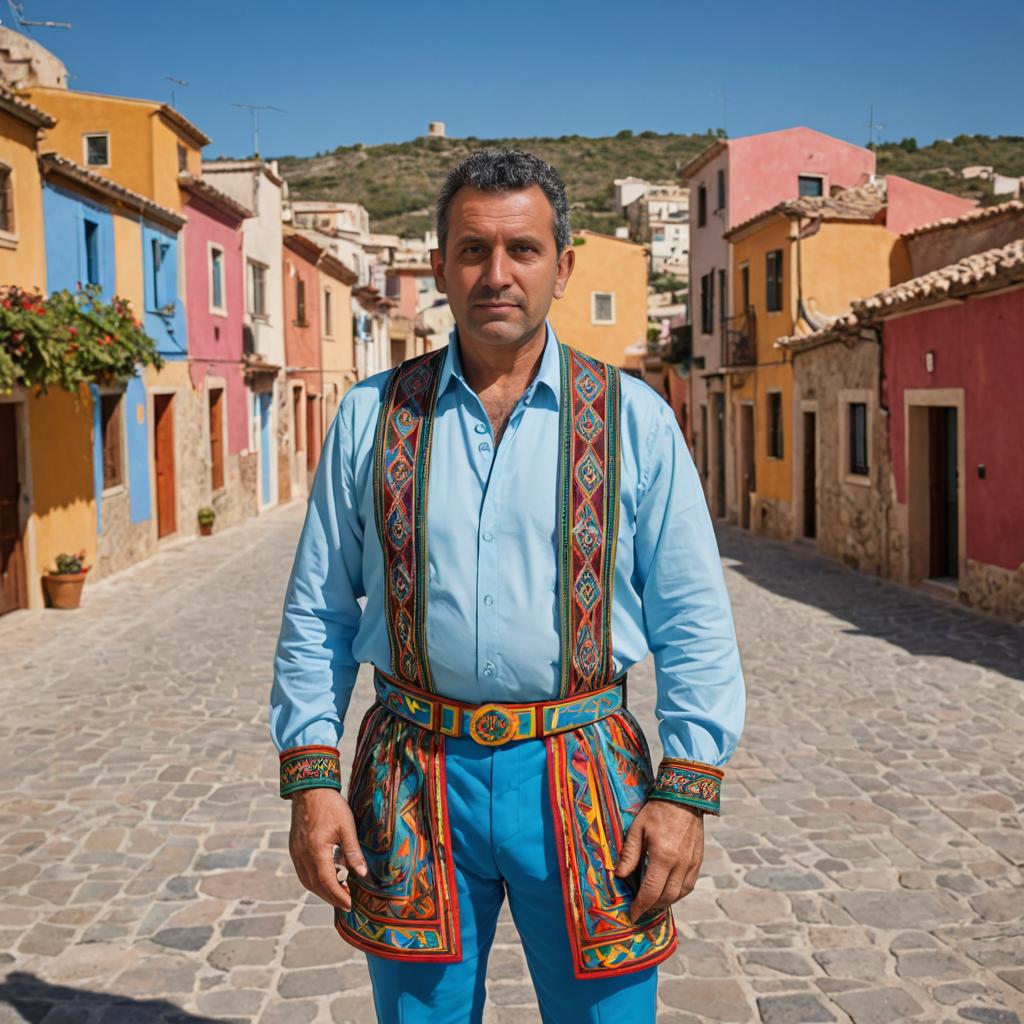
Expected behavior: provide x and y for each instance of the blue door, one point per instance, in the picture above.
(264, 408)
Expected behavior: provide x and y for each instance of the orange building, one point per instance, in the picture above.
(604, 309)
(796, 267)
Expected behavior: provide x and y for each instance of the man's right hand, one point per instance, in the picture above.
(321, 820)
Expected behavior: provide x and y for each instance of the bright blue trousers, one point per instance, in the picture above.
(503, 840)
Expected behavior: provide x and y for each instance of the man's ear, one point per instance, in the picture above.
(564, 270)
(437, 266)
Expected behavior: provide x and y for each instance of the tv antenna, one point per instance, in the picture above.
(17, 8)
(872, 125)
(177, 81)
(255, 111)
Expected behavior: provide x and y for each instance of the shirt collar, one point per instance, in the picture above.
(549, 372)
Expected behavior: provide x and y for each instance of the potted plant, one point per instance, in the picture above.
(64, 587)
(206, 518)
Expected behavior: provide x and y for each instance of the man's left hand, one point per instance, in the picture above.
(673, 836)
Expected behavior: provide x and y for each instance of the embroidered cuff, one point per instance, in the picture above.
(309, 766)
(688, 782)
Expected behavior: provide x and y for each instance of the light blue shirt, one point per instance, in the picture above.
(492, 615)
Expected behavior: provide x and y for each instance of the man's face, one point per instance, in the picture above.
(500, 268)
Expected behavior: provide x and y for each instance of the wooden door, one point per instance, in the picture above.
(12, 554)
(747, 478)
(944, 541)
(163, 447)
(810, 475)
(719, 406)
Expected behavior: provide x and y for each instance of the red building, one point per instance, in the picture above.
(302, 351)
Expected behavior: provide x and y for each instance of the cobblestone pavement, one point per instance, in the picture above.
(867, 866)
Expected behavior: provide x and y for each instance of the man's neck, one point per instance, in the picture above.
(505, 369)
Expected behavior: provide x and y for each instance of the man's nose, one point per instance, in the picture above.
(497, 271)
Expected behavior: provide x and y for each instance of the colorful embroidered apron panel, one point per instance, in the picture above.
(407, 902)
(599, 774)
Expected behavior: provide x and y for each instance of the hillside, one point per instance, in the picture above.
(398, 182)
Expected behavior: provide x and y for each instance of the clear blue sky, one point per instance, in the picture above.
(350, 72)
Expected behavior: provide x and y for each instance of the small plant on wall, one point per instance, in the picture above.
(206, 517)
(69, 338)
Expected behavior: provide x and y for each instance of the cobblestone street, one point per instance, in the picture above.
(867, 866)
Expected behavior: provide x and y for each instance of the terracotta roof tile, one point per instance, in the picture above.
(972, 217)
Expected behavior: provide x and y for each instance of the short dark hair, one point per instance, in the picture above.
(501, 170)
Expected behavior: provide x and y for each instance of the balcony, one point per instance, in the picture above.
(740, 339)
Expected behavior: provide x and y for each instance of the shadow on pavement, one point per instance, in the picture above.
(918, 623)
(35, 1000)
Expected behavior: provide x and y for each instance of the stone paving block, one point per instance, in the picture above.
(713, 999)
(878, 1005)
(799, 1008)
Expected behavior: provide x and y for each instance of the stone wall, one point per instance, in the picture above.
(852, 513)
(994, 589)
(121, 542)
(770, 517)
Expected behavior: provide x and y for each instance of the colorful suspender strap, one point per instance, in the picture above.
(693, 783)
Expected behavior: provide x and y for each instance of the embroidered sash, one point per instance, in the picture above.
(599, 775)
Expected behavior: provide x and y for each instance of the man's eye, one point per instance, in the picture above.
(526, 248)
(472, 250)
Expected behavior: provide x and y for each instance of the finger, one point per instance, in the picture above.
(328, 887)
(349, 843)
(650, 889)
(673, 887)
(690, 878)
(632, 847)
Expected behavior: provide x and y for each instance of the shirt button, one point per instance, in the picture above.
(488, 600)
(485, 447)
(488, 536)
(488, 669)
(480, 428)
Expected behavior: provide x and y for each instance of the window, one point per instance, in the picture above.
(6, 200)
(722, 296)
(392, 286)
(774, 425)
(97, 150)
(300, 302)
(158, 252)
(216, 438)
(110, 427)
(811, 185)
(773, 281)
(602, 307)
(858, 438)
(702, 206)
(707, 303)
(216, 278)
(704, 440)
(328, 313)
(92, 251)
(720, 177)
(182, 158)
(257, 289)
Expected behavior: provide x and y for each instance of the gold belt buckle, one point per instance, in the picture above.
(492, 725)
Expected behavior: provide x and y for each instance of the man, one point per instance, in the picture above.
(525, 523)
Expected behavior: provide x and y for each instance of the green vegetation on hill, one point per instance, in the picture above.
(398, 182)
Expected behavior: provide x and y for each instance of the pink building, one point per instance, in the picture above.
(215, 304)
(731, 182)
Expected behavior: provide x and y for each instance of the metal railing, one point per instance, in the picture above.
(740, 339)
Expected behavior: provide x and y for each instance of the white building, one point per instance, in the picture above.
(660, 219)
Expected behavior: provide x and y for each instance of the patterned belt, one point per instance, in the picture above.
(494, 724)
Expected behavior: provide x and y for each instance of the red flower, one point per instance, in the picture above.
(72, 331)
(7, 303)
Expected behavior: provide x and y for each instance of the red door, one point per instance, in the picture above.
(12, 556)
(163, 447)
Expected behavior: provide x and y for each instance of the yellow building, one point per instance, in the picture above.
(140, 144)
(604, 309)
(52, 498)
(795, 267)
(337, 351)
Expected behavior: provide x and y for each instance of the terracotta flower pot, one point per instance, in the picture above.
(64, 589)
(206, 529)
